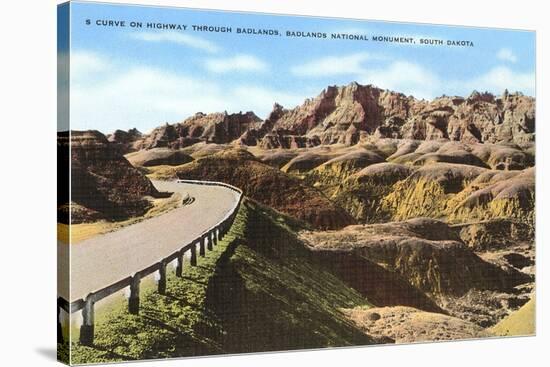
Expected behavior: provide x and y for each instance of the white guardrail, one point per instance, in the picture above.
(205, 241)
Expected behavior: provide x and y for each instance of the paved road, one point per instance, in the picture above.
(108, 258)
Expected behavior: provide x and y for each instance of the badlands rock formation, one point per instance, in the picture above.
(211, 128)
(158, 157)
(349, 114)
(425, 252)
(409, 325)
(125, 139)
(268, 186)
(104, 184)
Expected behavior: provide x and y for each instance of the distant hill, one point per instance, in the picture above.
(104, 184)
(349, 114)
(267, 185)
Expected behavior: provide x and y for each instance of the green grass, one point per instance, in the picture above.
(259, 290)
(171, 325)
(279, 296)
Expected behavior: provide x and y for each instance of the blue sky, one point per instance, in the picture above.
(124, 77)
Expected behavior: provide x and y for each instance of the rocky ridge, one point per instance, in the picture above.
(267, 185)
(211, 128)
(425, 252)
(104, 184)
(348, 114)
(352, 113)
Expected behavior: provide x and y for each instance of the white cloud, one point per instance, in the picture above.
(181, 39)
(333, 65)
(404, 77)
(414, 79)
(236, 63)
(401, 76)
(498, 79)
(107, 96)
(145, 97)
(264, 98)
(505, 54)
(85, 62)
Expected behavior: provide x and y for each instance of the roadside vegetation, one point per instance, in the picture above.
(258, 290)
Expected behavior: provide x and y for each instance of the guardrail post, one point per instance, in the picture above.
(133, 301)
(87, 328)
(221, 230)
(213, 237)
(193, 255)
(179, 264)
(162, 278)
(202, 250)
(208, 237)
(59, 328)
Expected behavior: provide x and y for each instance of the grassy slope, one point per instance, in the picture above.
(273, 295)
(521, 322)
(172, 325)
(256, 291)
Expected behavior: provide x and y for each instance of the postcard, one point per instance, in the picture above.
(238, 182)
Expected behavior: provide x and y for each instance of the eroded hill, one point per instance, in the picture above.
(104, 184)
(265, 184)
(350, 114)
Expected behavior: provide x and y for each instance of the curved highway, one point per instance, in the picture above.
(108, 258)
